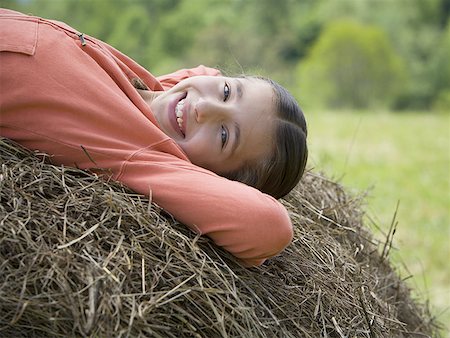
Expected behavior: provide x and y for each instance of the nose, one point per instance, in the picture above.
(207, 110)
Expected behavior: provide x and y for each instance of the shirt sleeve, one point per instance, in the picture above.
(170, 80)
(249, 224)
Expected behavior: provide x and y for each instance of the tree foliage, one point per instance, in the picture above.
(271, 37)
(352, 66)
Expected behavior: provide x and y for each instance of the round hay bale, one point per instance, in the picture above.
(84, 257)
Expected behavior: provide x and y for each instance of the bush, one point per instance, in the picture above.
(351, 66)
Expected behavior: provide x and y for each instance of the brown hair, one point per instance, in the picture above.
(278, 174)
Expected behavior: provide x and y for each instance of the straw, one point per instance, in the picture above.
(83, 257)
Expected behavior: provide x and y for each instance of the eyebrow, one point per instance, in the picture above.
(239, 88)
(237, 128)
(237, 137)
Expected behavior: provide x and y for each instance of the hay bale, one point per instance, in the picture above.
(83, 257)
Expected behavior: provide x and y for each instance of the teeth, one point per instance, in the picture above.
(179, 113)
(180, 121)
(179, 108)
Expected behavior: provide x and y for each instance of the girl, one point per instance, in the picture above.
(89, 106)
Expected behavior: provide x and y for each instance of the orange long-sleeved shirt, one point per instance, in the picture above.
(71, 97)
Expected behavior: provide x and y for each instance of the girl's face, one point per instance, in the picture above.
(219, 122)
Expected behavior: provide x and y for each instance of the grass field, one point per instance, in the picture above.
(405, 158)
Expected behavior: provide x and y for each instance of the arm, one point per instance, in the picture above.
(249, 224)
(53, 104)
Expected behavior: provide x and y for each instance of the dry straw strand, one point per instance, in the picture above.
(83, 257)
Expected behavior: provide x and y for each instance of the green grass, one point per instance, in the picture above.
(405, 158)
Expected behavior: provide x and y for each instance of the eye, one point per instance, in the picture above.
(226, 92)
(224, 136)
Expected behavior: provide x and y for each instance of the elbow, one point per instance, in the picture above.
(287, 235)
(254, 232)
(280, 233)
(273, 234)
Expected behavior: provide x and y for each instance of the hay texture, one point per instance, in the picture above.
(83, 257)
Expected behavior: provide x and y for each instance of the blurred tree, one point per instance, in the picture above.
(130, 33)
(415, 28)
(174, 35)
(264, 37)
(352, 66)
